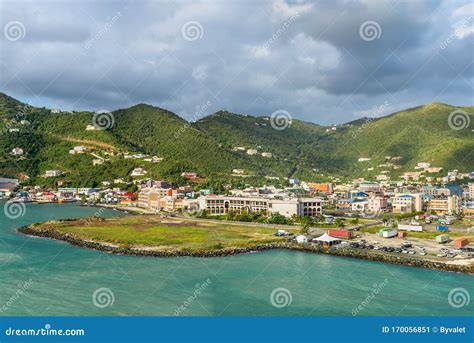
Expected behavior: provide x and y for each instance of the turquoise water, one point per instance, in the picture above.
(61, 280)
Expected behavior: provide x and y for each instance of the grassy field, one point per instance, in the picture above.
(166, 234)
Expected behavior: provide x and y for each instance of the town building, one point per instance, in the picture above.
(218, 205)
(80, 149)
(360, 206)
(445, 205)
(52, 173)
(149, 197)
(321, 187)
(407, 203)
(138, 172)
(369, 187)
(17, 152)
(377, 203)
(252, 152)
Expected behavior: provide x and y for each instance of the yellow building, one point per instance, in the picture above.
(407, 203)
(445, 205)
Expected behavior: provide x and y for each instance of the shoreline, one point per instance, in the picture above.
(341, 252)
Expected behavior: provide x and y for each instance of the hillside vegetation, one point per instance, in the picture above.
(216, 145)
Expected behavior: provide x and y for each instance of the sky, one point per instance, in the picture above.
(326, 62)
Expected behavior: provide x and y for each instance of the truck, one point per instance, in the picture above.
(340, 233)
(441, 228)
(442, 239)
(406, 227)
(388, 233)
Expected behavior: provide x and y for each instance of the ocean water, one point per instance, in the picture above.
(44, 277)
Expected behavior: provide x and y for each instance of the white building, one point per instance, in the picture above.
(97, 161)
(267, 154)
(52, 173)
(252, 152)
(17, 152)
(238, 171)
(422, 165)
(238, 148)
(218, 205)
(80, 149)
(139, 172)
(90, 128)
(406, 203)
(360, 206)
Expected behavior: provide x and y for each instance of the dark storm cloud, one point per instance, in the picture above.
(306, 57)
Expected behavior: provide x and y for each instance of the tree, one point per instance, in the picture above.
(340, 222)
(306, 222)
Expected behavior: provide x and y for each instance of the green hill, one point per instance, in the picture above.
(216, 145)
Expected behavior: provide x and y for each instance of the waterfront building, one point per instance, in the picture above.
(218, 205)
(149, 197)
(8, 185)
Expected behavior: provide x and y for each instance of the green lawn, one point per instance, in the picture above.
(151, 231)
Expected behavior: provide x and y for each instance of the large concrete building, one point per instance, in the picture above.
(445, 205)
(150, 197)
(217, 205)
(407, 203)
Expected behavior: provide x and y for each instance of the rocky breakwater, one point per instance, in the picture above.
(43, 231)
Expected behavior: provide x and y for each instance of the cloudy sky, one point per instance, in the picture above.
(322, 61)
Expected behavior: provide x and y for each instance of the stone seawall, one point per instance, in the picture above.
(342, 252)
